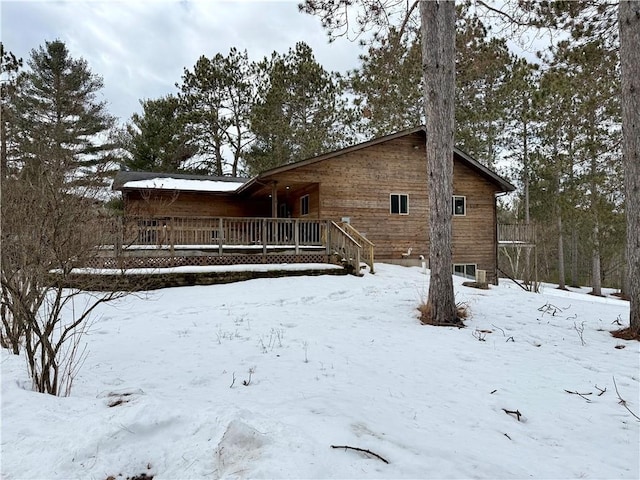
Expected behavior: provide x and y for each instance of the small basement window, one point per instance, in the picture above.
(399, 204)
(466, 270)
(304, 205)
(459, 205)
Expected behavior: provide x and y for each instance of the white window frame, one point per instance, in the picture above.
(302, 202)
(464, 205)
(399, 195)
(465, 266)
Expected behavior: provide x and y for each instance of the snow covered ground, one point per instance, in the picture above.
(321, 361)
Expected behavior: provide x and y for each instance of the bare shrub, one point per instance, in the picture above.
(462, 312)
(627, 333)
(49, 227)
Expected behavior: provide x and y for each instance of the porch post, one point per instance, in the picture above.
(328, 227)
(274, 199)
(264, 237)
(221, 237)
(118, 237)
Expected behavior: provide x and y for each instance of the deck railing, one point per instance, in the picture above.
(341, 243)
(229, 234)
(367, 245)
(516, 234)
(208, 232)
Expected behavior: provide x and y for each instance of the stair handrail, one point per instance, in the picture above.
(368, 251)
(346, 246)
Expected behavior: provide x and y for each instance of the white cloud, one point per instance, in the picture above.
(141, 48)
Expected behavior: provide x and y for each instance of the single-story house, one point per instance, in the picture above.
(378, 188)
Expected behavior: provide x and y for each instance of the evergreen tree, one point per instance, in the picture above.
(599, 136)
(629, 28)
(614, 24)
(61, 125)
(553, 160)
(10, 66)
(49, 222)
(521, 91)
(388, 86)
(481, 99)
(217, 97)
(438, 63)
(298, 113)
(155, 139)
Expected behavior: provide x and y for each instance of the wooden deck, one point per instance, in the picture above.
(516, 235)
(138, 242)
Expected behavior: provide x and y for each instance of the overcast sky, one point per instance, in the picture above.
(140, 47)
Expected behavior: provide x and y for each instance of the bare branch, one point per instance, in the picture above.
(503, 13)
(622, 401)
(406, 19)
(361, 450)
(583, 395)
(513, 412)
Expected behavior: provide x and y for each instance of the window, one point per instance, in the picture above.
(467, 270)
(459, 206)
(304, 205)
(400, 204)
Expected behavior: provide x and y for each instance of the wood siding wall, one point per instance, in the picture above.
(358, 185)
(474, 235)
(193, 204)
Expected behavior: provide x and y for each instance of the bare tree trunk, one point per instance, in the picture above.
(558, 208)
(438, 64)
(574, 256)
(525, 171)
(526, 277)
(3, 146)
(629, 24)
(561, 273)
(596, 272)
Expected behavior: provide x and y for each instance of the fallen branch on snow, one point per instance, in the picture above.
(552, 309)
(622, 401)
(360, 450)
(513, 412)
(580, 394)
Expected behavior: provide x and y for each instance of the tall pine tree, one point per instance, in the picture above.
(62, 125)
(10, 66)
(217, 97)
(299, 112)
(387, 87)
(155, 139)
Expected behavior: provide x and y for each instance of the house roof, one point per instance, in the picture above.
(466, 158)
(203, 183)
(125, 180)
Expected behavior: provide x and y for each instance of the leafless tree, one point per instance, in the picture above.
(49, 227)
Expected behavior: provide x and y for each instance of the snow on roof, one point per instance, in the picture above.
(168, 183)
